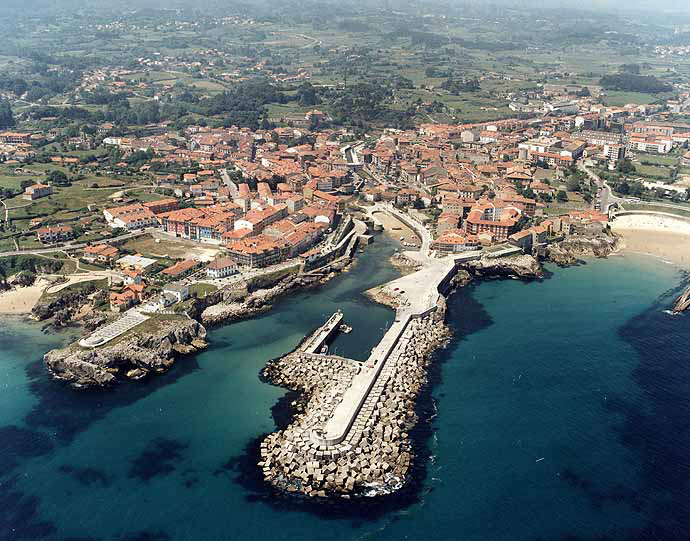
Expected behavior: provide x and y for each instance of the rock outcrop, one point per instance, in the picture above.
(133, 356)
(404, 263)
(524, 267)
(570, 251)
(239, 307)
(682, 303)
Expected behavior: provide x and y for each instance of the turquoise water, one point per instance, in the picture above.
(560, 410)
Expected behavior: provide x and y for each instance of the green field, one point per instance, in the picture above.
(658, 208)
(656, 159)
(201, 290)
(619, 98)
(653, 171)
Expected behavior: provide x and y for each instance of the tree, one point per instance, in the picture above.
(573, 183)
(625, 166)
(58, 178)
(623, 188)
(561, 196)
(306, 95)
(6, 117)
(634, 83)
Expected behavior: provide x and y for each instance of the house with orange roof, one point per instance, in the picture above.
(101, 253)
(455, 241)
(258, 251)
(130, 217)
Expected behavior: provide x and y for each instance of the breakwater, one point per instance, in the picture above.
(352, 436)
(377, 453)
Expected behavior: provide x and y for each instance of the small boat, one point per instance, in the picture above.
(345, 329)
(324, 349)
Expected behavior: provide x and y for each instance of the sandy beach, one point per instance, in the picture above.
(21, 300)
(659, 236)
(396, 228)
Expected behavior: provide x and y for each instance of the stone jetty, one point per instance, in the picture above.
(376, 454)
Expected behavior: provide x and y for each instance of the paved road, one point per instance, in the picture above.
(606, 199)
(76, 246)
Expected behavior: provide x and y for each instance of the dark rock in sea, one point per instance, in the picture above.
(157, 459)
(682, 303)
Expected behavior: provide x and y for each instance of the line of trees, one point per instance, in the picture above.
(630, 82)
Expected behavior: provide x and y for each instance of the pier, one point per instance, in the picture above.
(352, 433)
(419, 295)
(318, 340)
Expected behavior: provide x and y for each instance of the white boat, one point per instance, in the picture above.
(345, 329)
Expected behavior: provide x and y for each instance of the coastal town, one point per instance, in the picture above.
(259, 199)
(149, 201)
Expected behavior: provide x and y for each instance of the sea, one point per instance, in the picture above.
(560, 409)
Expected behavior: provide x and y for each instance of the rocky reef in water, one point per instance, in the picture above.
(682, 303)
(569, 251)
(134, 356)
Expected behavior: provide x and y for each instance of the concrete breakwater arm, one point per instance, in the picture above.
(353, 430)
(345, 414)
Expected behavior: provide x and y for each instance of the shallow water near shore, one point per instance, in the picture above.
(560, 410)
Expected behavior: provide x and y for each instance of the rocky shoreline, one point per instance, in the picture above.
(232, 307)
(524, 267)
(569, 252)
(139, 354)
(682, 303)
(380, 460)
(134, 357)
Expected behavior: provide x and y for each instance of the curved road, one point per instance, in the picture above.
(78, 246)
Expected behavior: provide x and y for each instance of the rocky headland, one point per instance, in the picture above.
(569, 251)
(524, 267)
(151, 350)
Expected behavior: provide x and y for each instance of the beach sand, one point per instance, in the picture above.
(21, 300)
(401, 230)
(659, 236)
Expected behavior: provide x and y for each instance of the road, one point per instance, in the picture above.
(606, 199)
(76, 246)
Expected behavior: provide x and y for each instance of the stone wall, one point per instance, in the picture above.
(377, 453)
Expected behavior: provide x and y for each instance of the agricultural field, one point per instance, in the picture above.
(171, 249)
(654, 171)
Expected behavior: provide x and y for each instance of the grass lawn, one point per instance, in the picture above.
(656, 159)
(201, 289)
(617, 98)
(75, 288)
(653, 171)
(7, 244)
(147, 245)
